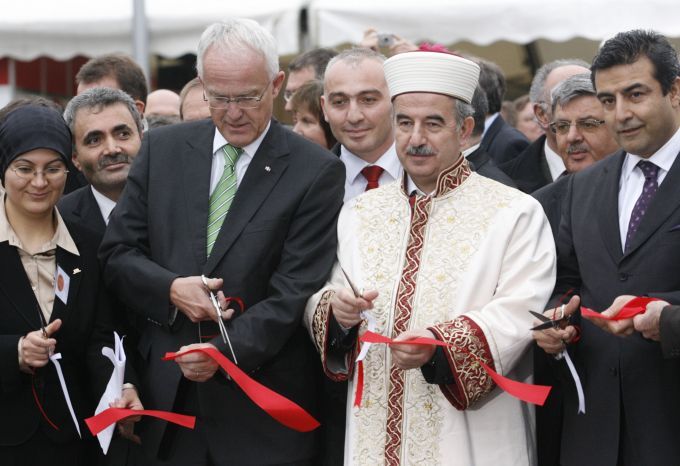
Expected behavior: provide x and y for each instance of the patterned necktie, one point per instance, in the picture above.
(372, 174)
(220, 199)
(649, 189)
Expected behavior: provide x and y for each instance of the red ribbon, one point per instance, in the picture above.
(109, 416)
(536, 394)
(360, 384)
(629, 310)
(277, 406)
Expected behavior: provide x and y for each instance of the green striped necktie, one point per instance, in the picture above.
(223, 195)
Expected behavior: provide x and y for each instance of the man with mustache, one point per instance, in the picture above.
(581, 135)
(106, 129)
(357, 107)
(618, 239)
(441, 253)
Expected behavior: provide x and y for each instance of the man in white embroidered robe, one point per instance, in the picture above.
(461, 260)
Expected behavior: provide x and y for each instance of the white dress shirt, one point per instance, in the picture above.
(241, 164)
(632, 180)
(105, 204)
(555, 162)
(355, 183)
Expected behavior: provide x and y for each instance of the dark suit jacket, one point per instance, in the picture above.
(503, 142)
(86, 327)
(275, 248)
(551, 197)
(529, 170)
(620, 375)
(670, 331)
(482, 164)
(80, 207)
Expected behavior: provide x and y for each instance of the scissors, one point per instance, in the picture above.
(355, 290)
(220, 323)
(547, 322)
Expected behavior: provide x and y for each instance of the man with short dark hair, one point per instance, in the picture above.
(500, 140)
(305, 67)
(356, 105)
(479, 159)
(616, 241)
(116, 71)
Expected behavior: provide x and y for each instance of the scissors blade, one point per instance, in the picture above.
(355, 290)
(540, 316)
(546, 325)
(220, 322)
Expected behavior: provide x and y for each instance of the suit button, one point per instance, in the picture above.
(623, 277)
(613, 371)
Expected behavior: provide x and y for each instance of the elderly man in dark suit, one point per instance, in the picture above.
(540, 164)
(246, 201)
(617, 240)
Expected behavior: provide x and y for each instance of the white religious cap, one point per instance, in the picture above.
(431, 72)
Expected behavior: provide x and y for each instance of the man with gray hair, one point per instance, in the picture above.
(237, 205)
(106, 128)
(540, 164)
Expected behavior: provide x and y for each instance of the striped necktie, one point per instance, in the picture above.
(223, 195)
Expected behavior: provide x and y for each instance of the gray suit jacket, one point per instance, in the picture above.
(276, 247)
(627, 382)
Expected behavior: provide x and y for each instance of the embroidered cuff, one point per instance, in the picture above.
(336, 350)
(470, 382)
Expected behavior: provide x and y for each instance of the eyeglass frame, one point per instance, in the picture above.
(584, 124)
(238, 101)
(63, 171)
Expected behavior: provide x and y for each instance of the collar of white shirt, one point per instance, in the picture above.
(354, 164)
(105, 204)
(249, 151)
(470, 150)
(555, 162)
(663, 158)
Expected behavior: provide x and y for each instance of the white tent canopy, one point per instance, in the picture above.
(65, 28)
(483, 22)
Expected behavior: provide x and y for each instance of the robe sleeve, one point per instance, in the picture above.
(336, 346)
(518, 264)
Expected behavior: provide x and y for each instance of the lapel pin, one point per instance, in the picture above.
(267, 168)
(76, 270)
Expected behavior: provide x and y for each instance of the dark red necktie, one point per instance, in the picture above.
(372, 174)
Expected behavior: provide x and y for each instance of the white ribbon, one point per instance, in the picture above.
(577, 381)
(55, 360)
(114, 389)
(370, 321)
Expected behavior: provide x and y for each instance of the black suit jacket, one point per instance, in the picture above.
(80, 207)
(482, 164)
(86, 326)
(670, 331)
(551, 197)
(626, 380)
(503, 142)
(530, 170)
(275, 248)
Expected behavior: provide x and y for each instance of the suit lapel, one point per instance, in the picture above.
(264, 171)
(70, 264)
(196, 167)
(90, 213)
(608, 185)
(665, 202)
(16, 287)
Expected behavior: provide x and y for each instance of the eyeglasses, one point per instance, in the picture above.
(562, 127)
(221, 103)
(50, 173)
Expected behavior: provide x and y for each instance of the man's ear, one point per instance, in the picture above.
(466, 130)
(674, 93)
(74, 159)
(323, 107)
(140, 107)
(541, 115)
